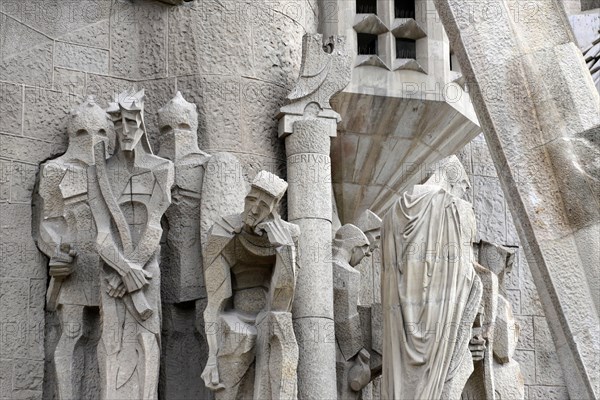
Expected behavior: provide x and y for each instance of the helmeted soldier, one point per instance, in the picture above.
(67, 236)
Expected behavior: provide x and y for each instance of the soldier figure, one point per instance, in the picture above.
(350, 246)
(182, 288)
(67, 236)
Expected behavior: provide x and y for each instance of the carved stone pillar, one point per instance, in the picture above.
(307, 124)
(539, 111)
(309, 206)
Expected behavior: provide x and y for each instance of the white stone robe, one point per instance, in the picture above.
(429, 286)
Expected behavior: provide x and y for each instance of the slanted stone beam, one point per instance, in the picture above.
(539, 109)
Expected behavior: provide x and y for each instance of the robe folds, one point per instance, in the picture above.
(430, 292)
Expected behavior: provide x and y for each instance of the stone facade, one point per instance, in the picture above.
(238, 60)
(535, 349)
(54, 54)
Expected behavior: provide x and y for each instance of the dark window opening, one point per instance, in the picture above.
(404, 8)
(366, 6)
(451, 55)
(406, 48)
(367, 43)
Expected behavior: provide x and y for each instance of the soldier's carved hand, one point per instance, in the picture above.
(277, 231)
(136, 278)
(61, 264)
(210, 375)
(477, 348)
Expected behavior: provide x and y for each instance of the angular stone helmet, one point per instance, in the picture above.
(176, 112)
(89, 117)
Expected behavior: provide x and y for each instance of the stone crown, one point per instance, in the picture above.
(127, 100)
(270, 183)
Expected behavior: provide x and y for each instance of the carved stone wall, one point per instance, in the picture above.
(535, 352)
(54, 53)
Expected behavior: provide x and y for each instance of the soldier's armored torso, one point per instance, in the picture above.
(63, 186)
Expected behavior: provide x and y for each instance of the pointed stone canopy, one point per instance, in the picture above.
(369, 23)
(398, 115)
(407, 28)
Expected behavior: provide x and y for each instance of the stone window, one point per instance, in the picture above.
(404, 8)
(367, 43)
(366, 6)
(406, 48)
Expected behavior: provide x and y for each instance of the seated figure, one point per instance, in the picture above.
(250, 276)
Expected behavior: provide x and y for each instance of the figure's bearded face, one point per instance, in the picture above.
(257, 207)
(129, 129)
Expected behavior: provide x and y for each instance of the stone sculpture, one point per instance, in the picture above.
(350, 246)
(545, 190)
(495, 334)
(129, 193)
(430, 290)
(370, 267)
(182, 283)
(67, 236)
(370, 224)
(250, 276)
(370, 298)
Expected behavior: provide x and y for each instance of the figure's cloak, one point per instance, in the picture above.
(428, 283)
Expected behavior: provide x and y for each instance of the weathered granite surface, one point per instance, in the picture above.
(531, 137)
(53, 54)
(308, 123)
(238, 78)
(519, 286)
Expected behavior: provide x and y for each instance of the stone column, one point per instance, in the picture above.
(309, 206)
(308, 123)
(540, 114)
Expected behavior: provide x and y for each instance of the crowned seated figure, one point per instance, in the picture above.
(250, 276)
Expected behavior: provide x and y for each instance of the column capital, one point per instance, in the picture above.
(286, 123)
(325, 71)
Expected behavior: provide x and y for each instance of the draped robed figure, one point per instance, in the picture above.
(430, 291)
